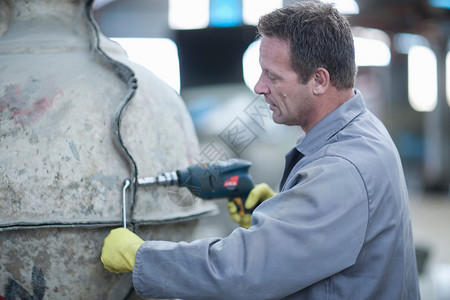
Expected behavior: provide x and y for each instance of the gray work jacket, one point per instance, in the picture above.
(339, 228)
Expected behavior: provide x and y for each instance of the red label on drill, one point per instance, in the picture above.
(231, 182)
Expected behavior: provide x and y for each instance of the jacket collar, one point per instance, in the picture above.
(331, 124)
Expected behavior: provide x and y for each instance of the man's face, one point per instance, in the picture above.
(289, 99)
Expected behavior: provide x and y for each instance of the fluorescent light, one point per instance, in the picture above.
(404, 41)
(250, 65)
(370, 52)
(192, 14)
(253, 9)
(371, 33)
(158, 55)
(440, 3)
(225, 13)
(422, 78)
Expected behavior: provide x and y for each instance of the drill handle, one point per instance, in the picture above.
(254, 197)
(240, 205)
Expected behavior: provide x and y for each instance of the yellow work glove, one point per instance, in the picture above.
(242, 212)
(119, 250)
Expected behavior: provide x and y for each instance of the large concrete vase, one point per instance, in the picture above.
(77, 118)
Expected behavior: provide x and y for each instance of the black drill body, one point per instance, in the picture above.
(219, 179)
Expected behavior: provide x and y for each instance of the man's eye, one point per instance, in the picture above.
(271, 77)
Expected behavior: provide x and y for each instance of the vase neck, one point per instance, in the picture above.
(45, 26)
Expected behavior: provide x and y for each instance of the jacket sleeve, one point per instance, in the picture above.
(298, 237)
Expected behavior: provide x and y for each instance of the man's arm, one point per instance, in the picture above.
(298, 237)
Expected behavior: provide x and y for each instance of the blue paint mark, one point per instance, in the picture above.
(74, 150)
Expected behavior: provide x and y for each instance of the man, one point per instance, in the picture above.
(340, 226)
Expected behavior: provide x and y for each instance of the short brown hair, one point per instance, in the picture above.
(319, 36)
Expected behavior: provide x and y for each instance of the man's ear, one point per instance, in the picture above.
(321, 81)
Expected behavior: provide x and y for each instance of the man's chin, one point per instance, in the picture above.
(277, 120)
(282, 121)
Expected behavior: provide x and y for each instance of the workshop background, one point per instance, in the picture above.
(404, 68)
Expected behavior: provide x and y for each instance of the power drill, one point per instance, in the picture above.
(220, 179)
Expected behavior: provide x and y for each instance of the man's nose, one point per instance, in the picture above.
(261, 88)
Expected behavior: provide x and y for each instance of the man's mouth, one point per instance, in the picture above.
(271, 105)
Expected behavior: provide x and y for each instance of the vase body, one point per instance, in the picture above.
(62, 167)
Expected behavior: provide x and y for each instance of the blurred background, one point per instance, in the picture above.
(208, 52)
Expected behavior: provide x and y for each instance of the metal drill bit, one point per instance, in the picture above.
(164, 179)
